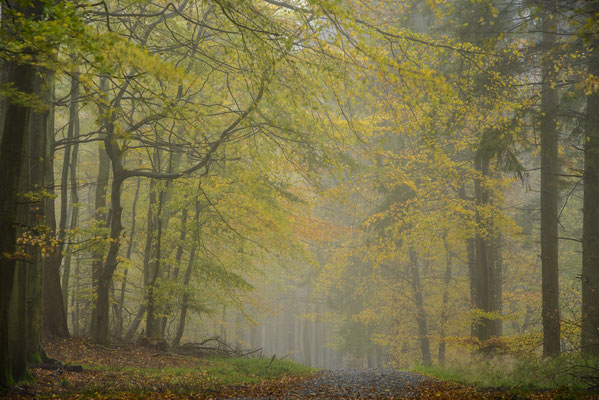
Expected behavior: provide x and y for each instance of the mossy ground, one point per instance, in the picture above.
(567, 374)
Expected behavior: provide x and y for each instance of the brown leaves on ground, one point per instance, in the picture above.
(135, 372)
(85, 351)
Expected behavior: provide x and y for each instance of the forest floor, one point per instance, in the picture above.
(133, 372)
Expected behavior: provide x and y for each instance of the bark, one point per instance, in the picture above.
(444, 312)
(101, 282)
(472, 272)
(18, 324)
(590, 231)
(420, 310)
(39, 160)
(121, 303)
(152, 322)
(75, 298)
(549, 187)
(55, 321)
(155, 327)
(101, 220)
(481, 250)
(496, 283)
(73, 131)
(107, 271)
(135, 323)
(12, 147)
(148, 254)
(185, 299)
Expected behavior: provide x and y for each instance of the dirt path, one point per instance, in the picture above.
(341, 384)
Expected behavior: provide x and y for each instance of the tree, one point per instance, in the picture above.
(14, 139)
(549, 185)
(590, 233)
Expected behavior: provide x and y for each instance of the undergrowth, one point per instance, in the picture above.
(216, 371)
(529, 373)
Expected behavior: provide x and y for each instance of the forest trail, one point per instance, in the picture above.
(136, 372)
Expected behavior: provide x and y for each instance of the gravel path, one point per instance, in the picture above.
(344, 384)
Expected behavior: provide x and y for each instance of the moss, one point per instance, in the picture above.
(6, 378)
(34, 358)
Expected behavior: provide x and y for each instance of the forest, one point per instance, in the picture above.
(312, 186)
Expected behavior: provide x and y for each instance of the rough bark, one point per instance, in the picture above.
(549, 187)
(39, 160)
(590, 231)
(12, 148)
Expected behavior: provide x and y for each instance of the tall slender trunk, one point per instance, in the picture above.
(420, 310)
(100, 215)
(155, 326)
(152, 323)
(482, 250)
(75, 298)
(148, 263)
(444, 311)
(496, 283)
(472, 271)
(121, 302)
(590, 230)
(107, 271)
(54, 321)
(185, 299)
(100, 221)
(549, 186)
(73, 132)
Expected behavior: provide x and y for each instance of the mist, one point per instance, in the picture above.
(377, 197)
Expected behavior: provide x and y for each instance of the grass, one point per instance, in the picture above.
(526, 374)
(212, 373)
(235, 371)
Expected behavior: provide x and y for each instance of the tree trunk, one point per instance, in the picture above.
(496, 283)
(12, 148)
(55, 321)
(185, 300)
(40, 160)
(444, 312)
(549, 187)
(155, 326)
(100, 216)
(420, 310)
(75, 298)
(482, 249)
(472, 273)
(72, 132)
(590, 231)
(121, 303)
(135, 323)
(100, 222)
(152, 322)
(107, 271)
